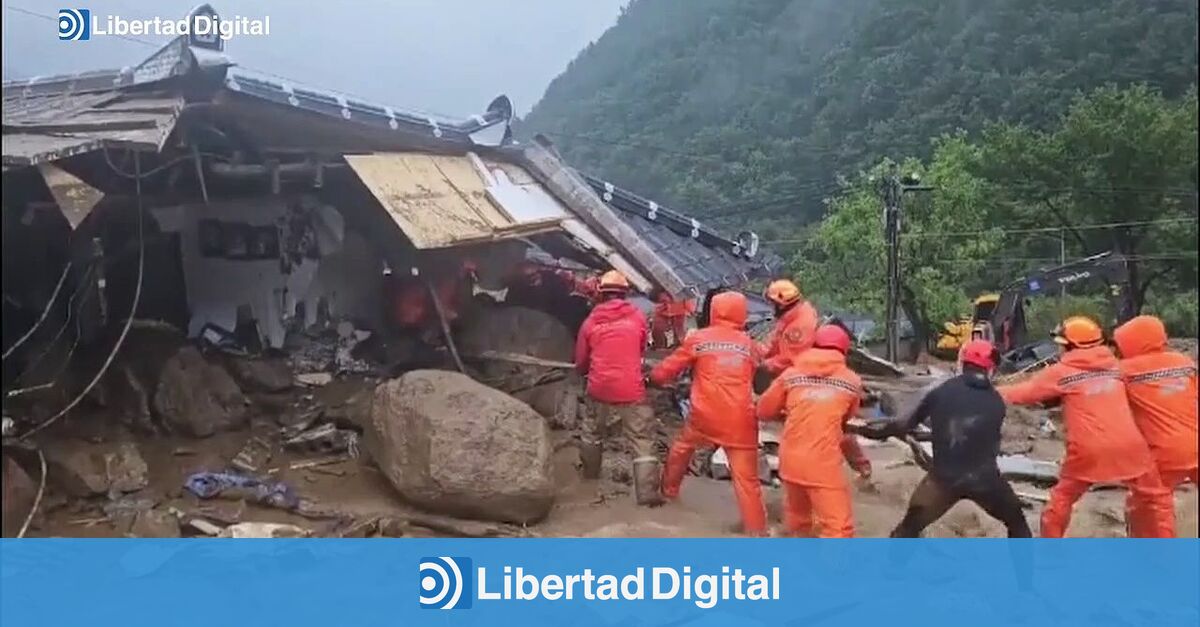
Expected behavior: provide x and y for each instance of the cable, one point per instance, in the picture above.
(83, 284)
(37, 499)
(1082, 227)
(291, 81)
(137, 296)
(45, 312)
(55, 19)
(1002, 231)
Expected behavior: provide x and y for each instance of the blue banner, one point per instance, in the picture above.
(975, 583)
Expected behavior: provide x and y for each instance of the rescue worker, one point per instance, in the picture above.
(723, 358)
(965, 414)
(795, 324)
(1103, 442)
(670, 315)
(978, 332)
(1161, 385)
(816, 396)
(609, 353)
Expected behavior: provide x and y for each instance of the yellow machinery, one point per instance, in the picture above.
(958, 332)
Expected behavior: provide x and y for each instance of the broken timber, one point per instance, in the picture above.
(524, 360)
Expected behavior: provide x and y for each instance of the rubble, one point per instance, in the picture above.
(452, 445)
(324, 439)
(328, 351)
(153, 523)
(122, 512)
(253, 456)
(126, 469)
(264, 530)
(196, 398)
(314, 379)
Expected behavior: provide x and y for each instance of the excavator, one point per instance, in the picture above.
(1000, 317)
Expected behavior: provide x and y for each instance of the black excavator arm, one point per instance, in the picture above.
(1008, 318)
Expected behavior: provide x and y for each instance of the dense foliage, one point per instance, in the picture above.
(1025, 116)
(753, 107)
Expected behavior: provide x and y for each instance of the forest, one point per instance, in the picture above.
(1046, 130)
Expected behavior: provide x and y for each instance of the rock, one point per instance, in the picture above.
(19, 492)
(264, 530)
(82, 469)
(153, 523)
(452, 445)
(126, 469)
(197, 398)
(77, 468)
(524, 331)
(261, 375)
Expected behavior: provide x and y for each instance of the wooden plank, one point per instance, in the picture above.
(525, 360)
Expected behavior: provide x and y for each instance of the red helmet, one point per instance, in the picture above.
(979, 353)
(832, 336)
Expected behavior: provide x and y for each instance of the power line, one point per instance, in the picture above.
(52, 18)
(289, 80)
(1003, 231)
(137, 297)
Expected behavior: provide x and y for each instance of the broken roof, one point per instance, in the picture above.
(52, 118)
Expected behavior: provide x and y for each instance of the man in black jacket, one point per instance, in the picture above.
(965, 414)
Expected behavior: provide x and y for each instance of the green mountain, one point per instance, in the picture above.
(752, 109)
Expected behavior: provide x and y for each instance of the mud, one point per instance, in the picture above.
(354, 490)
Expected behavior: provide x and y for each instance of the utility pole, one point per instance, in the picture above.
(891, 238)
(892, 191)
(1062, 261)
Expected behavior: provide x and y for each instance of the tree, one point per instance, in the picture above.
(1118, 173)
(843, 264)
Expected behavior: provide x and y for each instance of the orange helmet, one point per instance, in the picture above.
(613, 281)
(1078, 332)
(783, 292)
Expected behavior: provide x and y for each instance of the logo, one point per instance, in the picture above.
(443, 581)
(1078, 276)
(74, 24)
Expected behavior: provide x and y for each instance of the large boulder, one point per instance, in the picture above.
(452, 445)
(197, 398)
(516, 330)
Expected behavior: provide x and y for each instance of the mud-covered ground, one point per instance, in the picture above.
(343, 498)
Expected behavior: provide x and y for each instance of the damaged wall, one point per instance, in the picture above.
(278, 258)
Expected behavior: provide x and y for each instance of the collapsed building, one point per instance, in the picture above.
(247, 213)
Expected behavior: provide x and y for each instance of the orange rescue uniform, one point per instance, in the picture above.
(816, 395)
(722, 358)
(1103, 443)
(791, 336)
(1162, 394)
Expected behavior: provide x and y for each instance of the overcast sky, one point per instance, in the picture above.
(441, 56)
